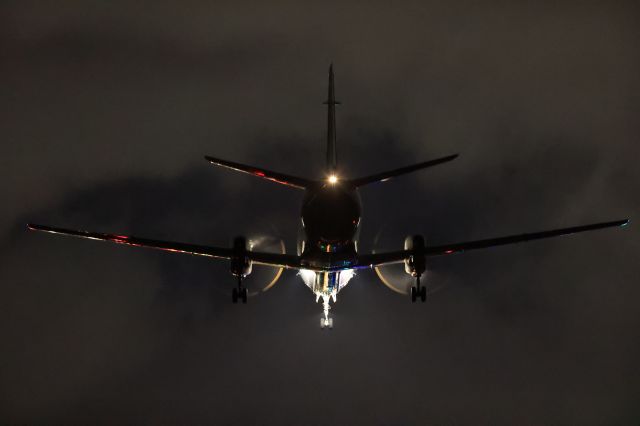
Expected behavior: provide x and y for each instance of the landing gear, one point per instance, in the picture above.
(240, 292)
(418, 291)
(326, 322)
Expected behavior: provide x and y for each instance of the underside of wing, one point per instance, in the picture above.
(289, 261)
(512, 239)
(377, 259)
(269, 259)
(175, 247)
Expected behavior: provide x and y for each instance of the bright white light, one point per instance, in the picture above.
(309, 277)
(345, 276)
(333, 179)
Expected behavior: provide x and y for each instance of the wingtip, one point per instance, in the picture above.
(624, 222)
(449, 158)
(36, 227)
(211, 159)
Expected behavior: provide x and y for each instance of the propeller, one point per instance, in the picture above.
(260, 235)
(394, 276)
(263, 278)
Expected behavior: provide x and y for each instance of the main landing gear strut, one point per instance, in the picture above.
(418, 291)
(240, 292)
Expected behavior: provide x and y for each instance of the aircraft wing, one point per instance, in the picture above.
(378, 259)
(288, 261)
(270, 259)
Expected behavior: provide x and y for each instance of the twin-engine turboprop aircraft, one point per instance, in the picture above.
(327, 255)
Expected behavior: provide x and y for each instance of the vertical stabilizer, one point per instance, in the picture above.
(332, 155)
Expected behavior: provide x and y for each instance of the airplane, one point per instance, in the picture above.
(327, 255)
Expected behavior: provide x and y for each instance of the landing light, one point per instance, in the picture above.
(333, 179)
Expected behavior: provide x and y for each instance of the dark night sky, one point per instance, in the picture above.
(108, 108)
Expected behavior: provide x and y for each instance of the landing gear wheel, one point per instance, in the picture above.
(239, 292)
(326, 323)
(418, 291)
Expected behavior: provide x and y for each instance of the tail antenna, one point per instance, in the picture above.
(332, 155)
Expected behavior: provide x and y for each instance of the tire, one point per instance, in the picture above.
(245, 294)
(423, 294)
(414, 294)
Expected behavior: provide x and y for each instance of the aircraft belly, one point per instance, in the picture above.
(326, 283)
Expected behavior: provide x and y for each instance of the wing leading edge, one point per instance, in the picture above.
(269, 259)
(291, 261)
(378, 259)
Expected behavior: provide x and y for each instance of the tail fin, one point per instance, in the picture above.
(332, 155)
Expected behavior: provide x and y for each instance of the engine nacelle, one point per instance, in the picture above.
(416, 264)
(240, 264)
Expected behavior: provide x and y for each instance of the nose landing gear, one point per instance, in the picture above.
(326, 322)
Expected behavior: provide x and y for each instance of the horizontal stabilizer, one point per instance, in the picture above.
(378, 259)
(281, 178)
(384, 176)
(269, 259)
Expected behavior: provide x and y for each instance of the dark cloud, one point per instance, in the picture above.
(108, 111)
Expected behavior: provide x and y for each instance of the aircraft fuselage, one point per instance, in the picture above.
(330, 217)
